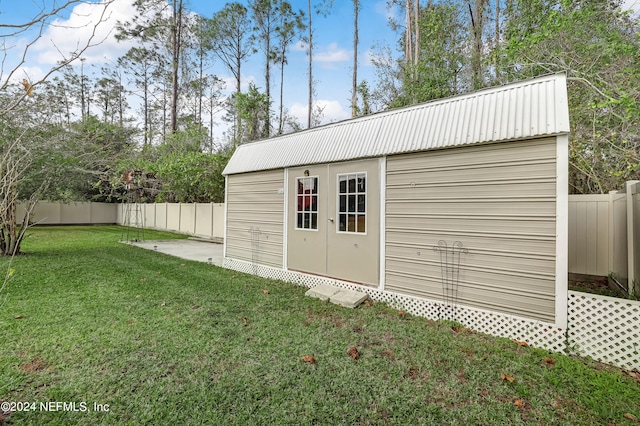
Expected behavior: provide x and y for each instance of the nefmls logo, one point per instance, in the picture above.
(63, 406)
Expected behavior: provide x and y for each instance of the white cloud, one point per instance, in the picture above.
(299, 46)
(389, 12)
(332, 111)
(64, 36)
(331, 55)
(32, 74)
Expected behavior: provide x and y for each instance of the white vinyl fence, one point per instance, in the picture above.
(604, 234)
(205, 220)
(57, 213)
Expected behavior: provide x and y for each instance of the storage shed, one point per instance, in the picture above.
(461, 200)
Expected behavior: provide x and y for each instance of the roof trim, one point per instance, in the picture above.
(528, 109)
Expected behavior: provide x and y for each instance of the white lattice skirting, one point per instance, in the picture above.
(605, 328)
(535, 333)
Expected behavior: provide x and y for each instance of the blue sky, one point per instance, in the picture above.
(332, 55)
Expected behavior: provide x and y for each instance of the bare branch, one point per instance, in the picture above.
(40, 21)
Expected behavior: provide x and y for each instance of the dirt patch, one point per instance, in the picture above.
(35, 365)
(588, 282)
(594, 284)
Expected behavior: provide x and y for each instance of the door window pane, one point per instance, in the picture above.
(351, 223)
(361, 203)
(343, 184)
(361, 184)
(352, 184)
(307, 202)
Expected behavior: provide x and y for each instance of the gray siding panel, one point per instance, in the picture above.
(499, 201)
(254, 203)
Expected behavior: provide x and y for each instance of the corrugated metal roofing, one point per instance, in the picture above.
(527, 109)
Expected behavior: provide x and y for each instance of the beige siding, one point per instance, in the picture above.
(499, 202)
(255, 202)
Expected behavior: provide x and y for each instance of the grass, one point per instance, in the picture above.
(161, 340)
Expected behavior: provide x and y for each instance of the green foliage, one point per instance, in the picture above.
(597, 45)
(251, 109)
(442, 56)
(177, 171)
(191, 177)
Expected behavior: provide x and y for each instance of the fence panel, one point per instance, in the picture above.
(204, 220)
(604, 234)
(589, 234)
(218, 221)
(173, 217)
(187, 218)
(57, 213)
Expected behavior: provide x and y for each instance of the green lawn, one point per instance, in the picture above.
(164, 341)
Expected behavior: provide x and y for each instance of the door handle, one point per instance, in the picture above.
(330, 219)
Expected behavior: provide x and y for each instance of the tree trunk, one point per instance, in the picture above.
(496, 45)
(282, 63)
(416, 25)
(408, 38)
(267, 77)
(477, 28)
(176, 36)
(310, 103)
(354, 83)
(13, 163)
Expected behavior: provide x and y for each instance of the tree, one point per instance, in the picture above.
(252, 109)
(177, 171)
(141, 64)
(232, 43)
(231, 38)
(354, 80)
(436, 67)
(265, 19)
(17, 136)
(289, 27)
(163, 30)
(111, 96)
(177, 25)
(478, 16)
(597, 45)
(321, 8)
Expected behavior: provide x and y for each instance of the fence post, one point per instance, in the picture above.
(212, 220)
(631, 189)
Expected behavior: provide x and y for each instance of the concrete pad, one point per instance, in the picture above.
(338, 296)
(348, 298)
(322, 292)
(186, 249)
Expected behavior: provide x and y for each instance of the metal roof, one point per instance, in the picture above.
(527, 109)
